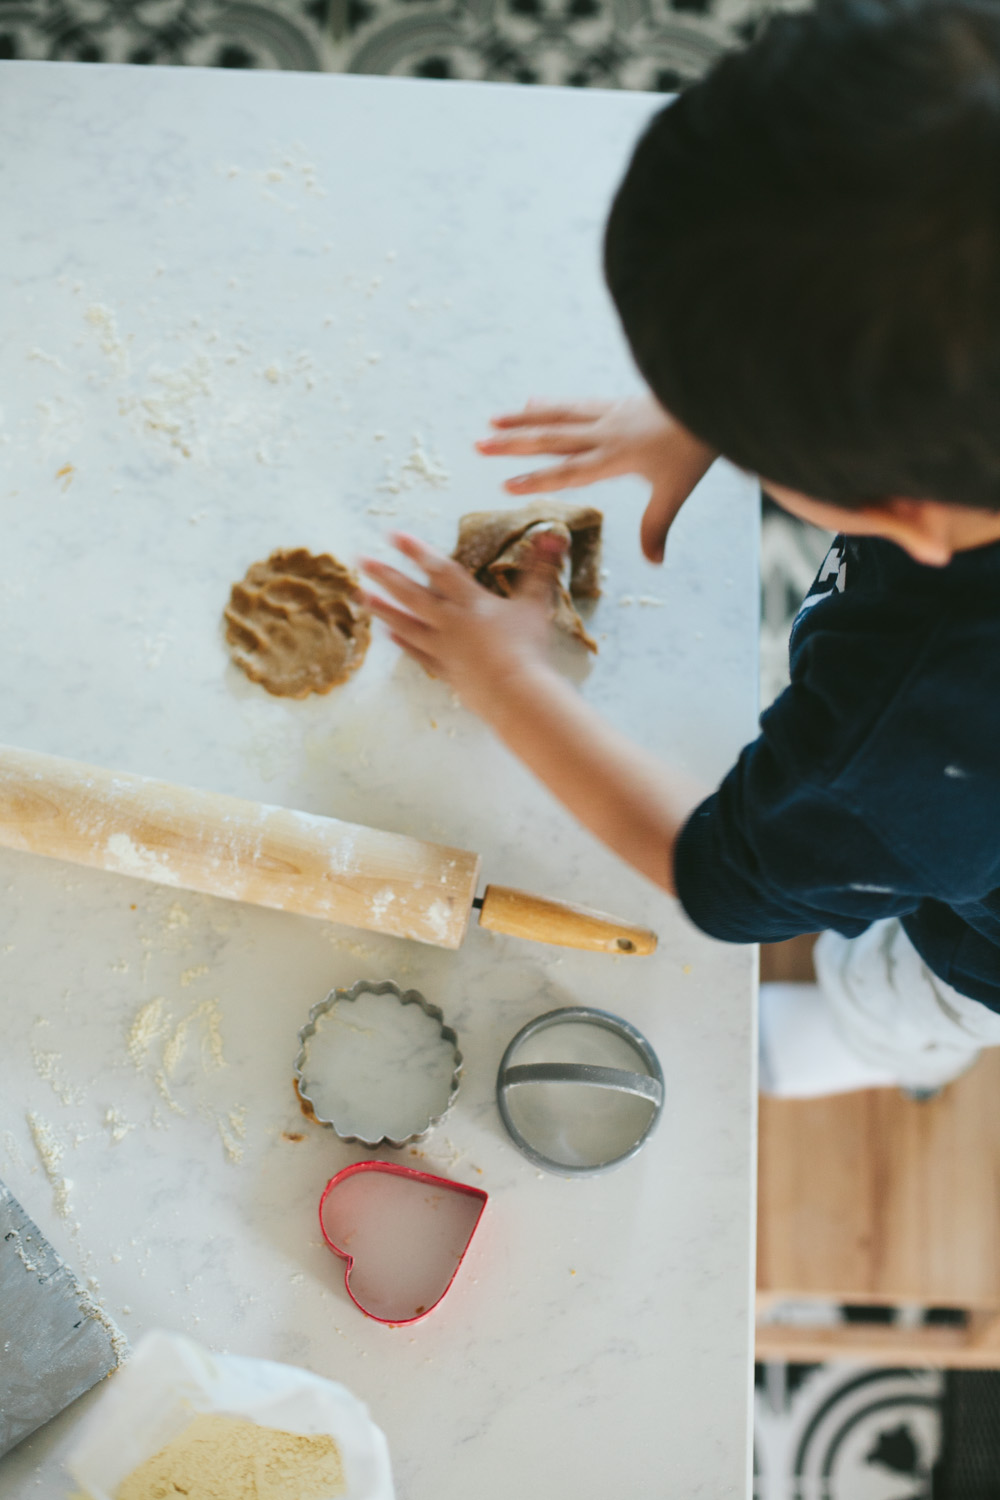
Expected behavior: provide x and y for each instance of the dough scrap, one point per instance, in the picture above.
(295, 624)
(494, 544)
(228, 1458)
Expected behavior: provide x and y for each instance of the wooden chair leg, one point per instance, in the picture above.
(790, 962)
(983, 1331)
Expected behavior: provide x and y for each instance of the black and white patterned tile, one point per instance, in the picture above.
(836, 1432)
(648, 44)
(197, 32)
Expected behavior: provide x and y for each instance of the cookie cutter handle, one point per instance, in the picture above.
(542, 920)
(623, 1082)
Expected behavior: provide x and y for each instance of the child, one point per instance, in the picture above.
(805, 257)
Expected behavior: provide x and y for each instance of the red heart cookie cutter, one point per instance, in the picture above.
(403, 1234)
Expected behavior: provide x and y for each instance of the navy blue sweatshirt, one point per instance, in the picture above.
(874, 787)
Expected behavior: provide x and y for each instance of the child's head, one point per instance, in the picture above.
(805, 253)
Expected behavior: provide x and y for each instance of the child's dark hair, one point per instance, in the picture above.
(805, 253)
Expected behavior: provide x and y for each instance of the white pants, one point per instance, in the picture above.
(894, 1013)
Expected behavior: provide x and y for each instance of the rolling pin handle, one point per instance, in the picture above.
(542, 920)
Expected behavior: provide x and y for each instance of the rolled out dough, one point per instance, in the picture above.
(494, 546)
(295, 623)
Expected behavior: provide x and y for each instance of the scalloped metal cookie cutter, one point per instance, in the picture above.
(648, 1085)
(405, 997)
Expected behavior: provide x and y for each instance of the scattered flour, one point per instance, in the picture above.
(153, 1024)
(232, 1130)
(153, 647)
(47, 359)
(92, 1309)
(445, 1153)
(118, 1126)
(209, 1014)
(160, 1079)
(212, 1018)
(420, 467)
(103, 319)
(425, 466)
(47, 1066)
(170, 407)
(14, 1239)
(357, 950)
(51, 1150)
(150, 1023)
(174, 1046)
(12, 1149)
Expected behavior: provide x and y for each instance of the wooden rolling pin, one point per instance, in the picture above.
(271, 856)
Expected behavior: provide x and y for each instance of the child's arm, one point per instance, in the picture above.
(602, 439)
(492, 651)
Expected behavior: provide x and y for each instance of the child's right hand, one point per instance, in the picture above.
(600, 440)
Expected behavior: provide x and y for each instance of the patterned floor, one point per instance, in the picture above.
(835, 1432)
(821, 1432)
(642, 44)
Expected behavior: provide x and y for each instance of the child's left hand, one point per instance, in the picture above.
(458, 630)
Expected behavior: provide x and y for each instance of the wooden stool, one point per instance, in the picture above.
(872, 1199)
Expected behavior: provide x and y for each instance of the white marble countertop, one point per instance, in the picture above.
(249, 311)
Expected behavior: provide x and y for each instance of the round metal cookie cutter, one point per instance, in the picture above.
(647, 1086)
(372, 1138)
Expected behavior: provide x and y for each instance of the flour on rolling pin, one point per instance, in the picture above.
(244, 851)
(132, 859)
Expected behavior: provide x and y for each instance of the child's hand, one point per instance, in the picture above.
(600, 440)
(457, 629)
(492, 651)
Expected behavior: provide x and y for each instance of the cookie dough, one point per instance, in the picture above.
(494, 545)
(228, 1458)
(295, 623)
